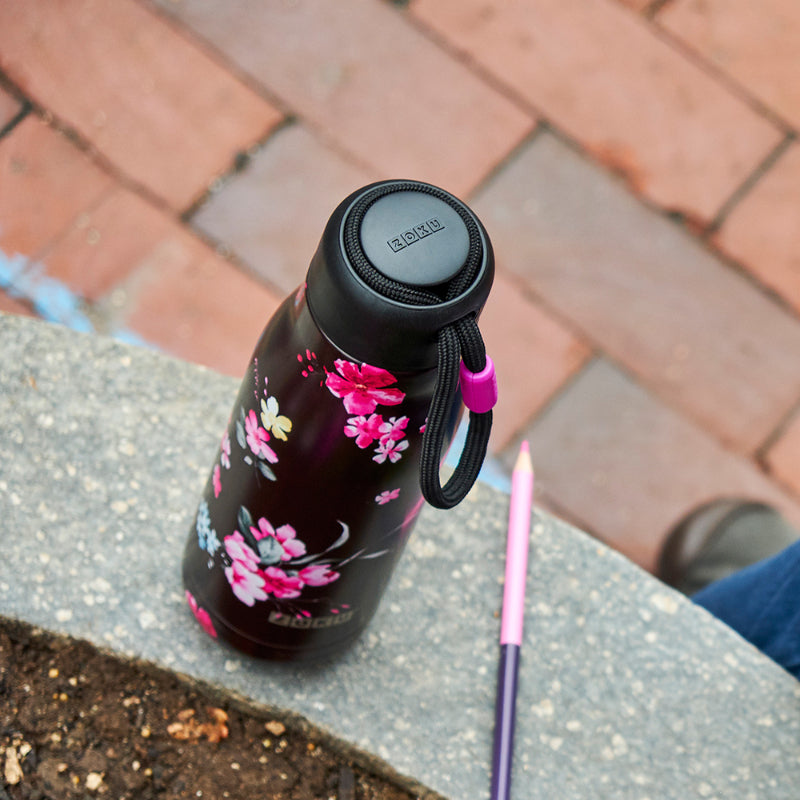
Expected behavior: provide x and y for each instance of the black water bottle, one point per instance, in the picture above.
(338, 431)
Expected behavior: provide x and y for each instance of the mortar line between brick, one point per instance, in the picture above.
(506, 161)
(239, 164)
(565, 385)
(586, 336)
(224, 251)
(654, 7)
(530, 294)
(760, 453)
(648, 21)
(219, 57)
(724, 79)
(92, 153)
(774, 297)
(576, 146)
(16, 119)
(677, 219)
(749, 183)
(471, 65)
(101, 161)
(748, 457)
(598, 351)
(222, 248)
(120, 180)
(283, 106)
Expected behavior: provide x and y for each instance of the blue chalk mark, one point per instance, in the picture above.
(10, 268)
(129, 337)
(51, 299)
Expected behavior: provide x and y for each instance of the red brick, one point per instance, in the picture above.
(382, 91)
(45, 182)
(9, 108)
(191, 303)
(156, 106)
(762, 232)
(755, 43)
(108, 242)
(636, 5)
(626, 467)
(9, 305)
(272, 215)
(702, 337)
(600, 74)
(533, 354)
(783, 458)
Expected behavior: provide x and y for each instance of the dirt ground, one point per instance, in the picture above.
(78, 723)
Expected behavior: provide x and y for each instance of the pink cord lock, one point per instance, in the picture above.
(479, 389)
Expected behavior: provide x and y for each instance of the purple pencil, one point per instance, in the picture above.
(519, 521)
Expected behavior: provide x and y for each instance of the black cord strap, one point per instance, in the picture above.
(451, 351)
(457, 341)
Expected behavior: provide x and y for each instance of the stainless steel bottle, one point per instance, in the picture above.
(316, 484)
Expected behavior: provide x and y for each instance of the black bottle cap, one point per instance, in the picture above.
(383, 303)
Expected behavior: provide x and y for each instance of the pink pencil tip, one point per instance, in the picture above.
(523, 461)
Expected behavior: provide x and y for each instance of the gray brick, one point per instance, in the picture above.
(611, 456)
(699, 335)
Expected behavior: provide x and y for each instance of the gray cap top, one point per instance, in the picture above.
(414, 238)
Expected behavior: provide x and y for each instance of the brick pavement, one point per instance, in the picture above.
(634, 162)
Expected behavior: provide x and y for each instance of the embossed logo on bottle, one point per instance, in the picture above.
(328, 621)
(415, 234)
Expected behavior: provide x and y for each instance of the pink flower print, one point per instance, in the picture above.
(257, 439)
(285, 535)
(247, 586)
(388, 448)
(362, 388)
(364, 429)
(277, 582)
(217, 481)
(225, 451)
(311, 366)
(241, 552)
(385, 497)
(394, 429)
(318, 575)
(201, 615)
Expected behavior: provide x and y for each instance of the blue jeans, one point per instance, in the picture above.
(762, 603)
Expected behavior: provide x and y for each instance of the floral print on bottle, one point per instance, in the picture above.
(266, 563)
(312, 494)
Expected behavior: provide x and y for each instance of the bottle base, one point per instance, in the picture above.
(302, 652)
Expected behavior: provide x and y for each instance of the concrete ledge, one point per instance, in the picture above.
(627, 690)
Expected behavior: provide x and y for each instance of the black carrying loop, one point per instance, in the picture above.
(457, 341)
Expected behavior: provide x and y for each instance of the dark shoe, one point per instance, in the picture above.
(718, 539)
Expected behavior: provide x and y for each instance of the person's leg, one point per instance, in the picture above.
(762, 603)
(711, 556)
